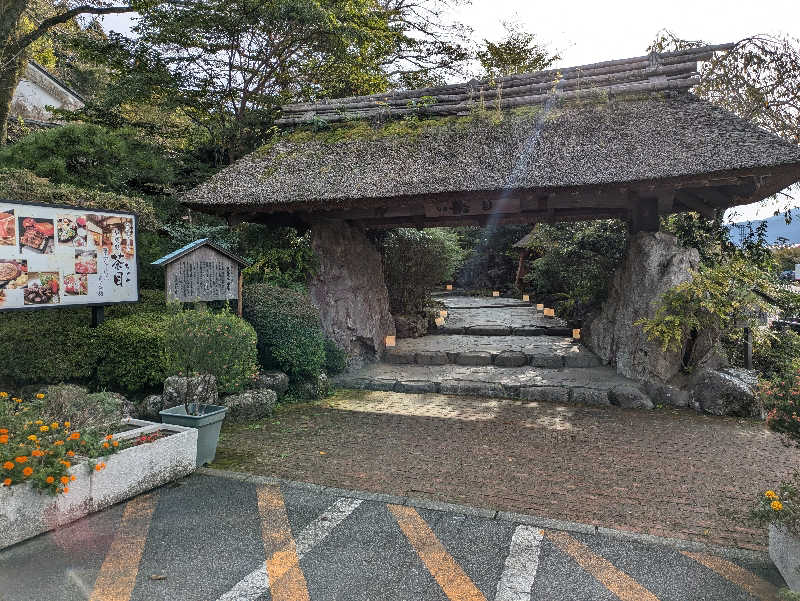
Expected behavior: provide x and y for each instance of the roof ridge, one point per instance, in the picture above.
(654, 72)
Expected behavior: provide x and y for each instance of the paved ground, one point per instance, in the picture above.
(667, 473)
(209, 538)
(488, 315)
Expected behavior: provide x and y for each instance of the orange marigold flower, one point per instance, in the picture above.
(18, 400)
(3, 430)
(65, 489)
(44, 428)
(58, 443)
(75, 436)
(3, 439)
(7, 482)
(40, 396)
(8, 465)
(70, 453)
(115, 443)
(109, 436)
(37, 453)
(21, 459)
(49, 479)
(72, 478)
(64, 479)
(27, 471)
(67, 424)
(38, 422)
(66, 464)
(3, 395)
(33, 437)
(105, 445)
(776, 505)
(54, 425)
(99, 466)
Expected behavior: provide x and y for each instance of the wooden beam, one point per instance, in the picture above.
(694, 203)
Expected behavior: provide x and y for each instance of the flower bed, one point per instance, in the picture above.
(85, 485)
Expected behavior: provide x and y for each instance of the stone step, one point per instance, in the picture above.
(499, 351)
(501, 330)
(593, 386)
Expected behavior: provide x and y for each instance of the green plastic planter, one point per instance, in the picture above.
(207, 423)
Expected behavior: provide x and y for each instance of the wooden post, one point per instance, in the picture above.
(239, 300)
(747, 341)
(98, 315)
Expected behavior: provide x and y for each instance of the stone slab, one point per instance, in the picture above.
(510, 317)
(477, 302)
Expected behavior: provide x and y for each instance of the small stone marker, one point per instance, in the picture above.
(496, 293)
(540, 307)
(449, 286)
(526, 298)
(390, 340)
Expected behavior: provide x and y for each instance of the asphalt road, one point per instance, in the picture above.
(216, 538)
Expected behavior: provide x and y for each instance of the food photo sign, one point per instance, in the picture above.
(52, 256)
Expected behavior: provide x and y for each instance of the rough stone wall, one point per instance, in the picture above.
(654, 262)
(349, 290)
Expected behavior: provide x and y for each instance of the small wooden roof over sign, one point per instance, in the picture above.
(177, 254)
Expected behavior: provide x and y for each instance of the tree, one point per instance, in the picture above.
(518, 52)
(22, 24)
(225, 67)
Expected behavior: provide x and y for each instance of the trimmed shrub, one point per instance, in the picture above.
(133, 352)
(415, 262)
(212, 343)
(289, 333)
(335, 358)
(47, 346)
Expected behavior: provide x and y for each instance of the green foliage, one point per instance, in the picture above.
(20, 184)
(780, 507)
(786, 257)
(571, 264)
(491, 261)
(132, 352)
(518, 52)
(90, 156)
(335, 358)
(221, 344)
(711, 304)
(775, 353)
(781, 398)
(280, 256)
(288, 326)
(415, 261)
(46, 346)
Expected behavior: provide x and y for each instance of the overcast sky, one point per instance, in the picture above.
(585, 32)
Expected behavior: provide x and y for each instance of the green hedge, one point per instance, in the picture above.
(134, 354)
(289, 332)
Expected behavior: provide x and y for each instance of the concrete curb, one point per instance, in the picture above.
(506, 516)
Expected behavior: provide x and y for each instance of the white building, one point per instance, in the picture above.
(39, 89)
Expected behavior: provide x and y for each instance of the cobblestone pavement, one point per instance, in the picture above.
(667, 473)
(207, 538)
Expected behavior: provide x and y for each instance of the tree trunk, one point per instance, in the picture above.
(9, 78)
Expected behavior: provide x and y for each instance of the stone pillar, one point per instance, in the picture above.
(654, 262)
(349, 290)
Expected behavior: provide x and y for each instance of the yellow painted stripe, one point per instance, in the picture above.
(615, 580)
(454, 582)
(118, 573)
(744, 579)
(286, 579)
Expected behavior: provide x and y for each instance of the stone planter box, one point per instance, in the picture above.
(784, 550)
(25, 512)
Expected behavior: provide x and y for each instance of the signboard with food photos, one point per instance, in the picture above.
(53, 256)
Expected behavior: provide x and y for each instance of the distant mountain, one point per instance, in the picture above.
(776, 228)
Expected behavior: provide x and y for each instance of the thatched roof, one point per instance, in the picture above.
(557, 150)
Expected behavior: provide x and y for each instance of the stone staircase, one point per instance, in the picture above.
(501, 348)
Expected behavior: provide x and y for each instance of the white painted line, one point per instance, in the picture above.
(256, 583)
(521, 565)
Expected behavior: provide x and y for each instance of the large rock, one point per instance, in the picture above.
(726, 392)
(349, 290)
(200, 389)
(629, 396)
(654, 262)
(250, 405)
(273, 380)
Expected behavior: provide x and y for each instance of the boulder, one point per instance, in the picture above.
(150, 406)
(654, 262)
(726, 392)
(200, 389)
(349, 289)
(313, 389)
(628, 396)
(411, 326)
(273, 380)
(250, 405)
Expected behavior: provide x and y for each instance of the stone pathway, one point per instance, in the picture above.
(535, 362)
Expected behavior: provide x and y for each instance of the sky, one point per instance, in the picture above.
(589, 32)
